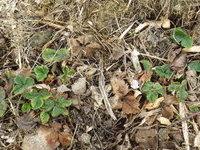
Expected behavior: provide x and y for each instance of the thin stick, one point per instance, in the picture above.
(155, 57)
(184, 125)
(104, 95)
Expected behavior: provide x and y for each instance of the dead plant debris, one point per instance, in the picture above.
(99, 74)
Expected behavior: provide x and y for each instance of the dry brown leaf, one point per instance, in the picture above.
(146, 138)
(41, 140)
(167, 112)
(27, 122)
(74, 46)
(155, 104)
(164, 121)
(91, 48)
(173, 53)
(145, 77)
(115, 102)
(171, 99)
(79, 87)
(130, 104)
(179, 63)
(65, 138)
(191, 77)
(83, 45)
(194, 49)
(120, 88)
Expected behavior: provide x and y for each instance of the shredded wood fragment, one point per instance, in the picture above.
(135, 60)
(184, 125)
(104, 95)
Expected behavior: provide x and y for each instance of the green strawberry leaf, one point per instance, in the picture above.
(22, 83)
(34, 94)
(51, 55)
(37, 103)
(44, 117)
(3, 108)
(179, 89)
(67, 74)
(174, 86)
(182, 38)
(41, 72)
(182, 94)
(147, 65)
(64, 103)
(48, 105)
(164, 71)
(26, 107)
(57, 111)
(151, 96)
(152, 90)
(195, 65)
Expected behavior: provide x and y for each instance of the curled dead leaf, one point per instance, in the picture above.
(167, 112)
(65, 138)
(84, 45)
(130, 104)
(164, 121)
(120, 88)
(179, 63)
(155, 104)
(170, 100)
(146, 76)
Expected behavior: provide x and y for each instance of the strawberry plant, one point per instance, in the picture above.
(179, 89)
(146, 65)
(22, 83)
(41, 72)
(152, 90)
(67, 74)
(51, 55)
(195, 65)
(182, 38)
(163, 71)
(39, 100)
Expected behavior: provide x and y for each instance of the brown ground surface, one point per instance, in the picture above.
(93, 30)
